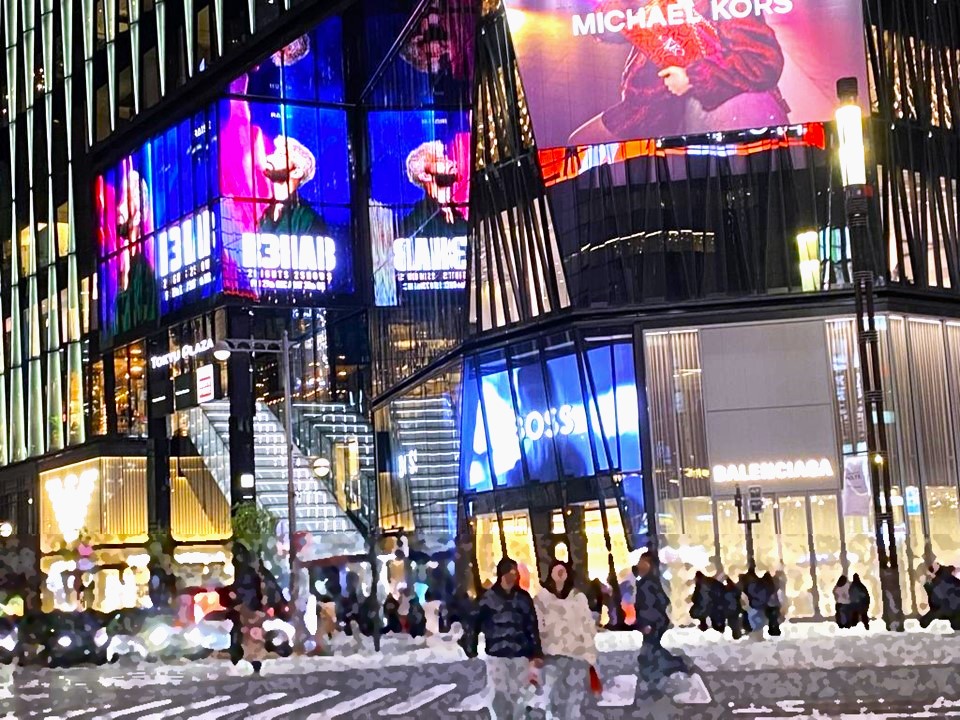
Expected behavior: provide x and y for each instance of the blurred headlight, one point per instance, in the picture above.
(64, 641)
(101, 638)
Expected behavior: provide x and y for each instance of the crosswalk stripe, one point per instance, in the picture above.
(131, 710)
(222, 712)
(171, 712)
(418, 701)
(353, 704)
(295, 705)
(76, 713)
(269, 697)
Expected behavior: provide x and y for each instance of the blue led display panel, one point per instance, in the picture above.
(420, 188)
(542, 417)
(249, 196)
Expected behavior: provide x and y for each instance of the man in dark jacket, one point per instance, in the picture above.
(943, 596)
(653, 621)
(508, 621)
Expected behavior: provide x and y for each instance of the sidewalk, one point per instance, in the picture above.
(805, 646)
(801, 646)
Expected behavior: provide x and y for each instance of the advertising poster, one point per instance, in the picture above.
(435, 62)
(420, 187)
(604, 71)
(284, 178)
(545, 423)
(156, 232)
(857, 499)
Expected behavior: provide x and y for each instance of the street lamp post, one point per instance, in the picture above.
(857, 193)
(222, 351)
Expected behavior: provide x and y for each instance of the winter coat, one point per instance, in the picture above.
(567, 626)
(944, 591)
(859, 596)
(651, 603)
(732, 600)
(509, 624)
(701, 600)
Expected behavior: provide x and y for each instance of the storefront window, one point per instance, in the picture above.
(131, 383)
(824, 515)
(98, 400)
(598, 558)
(419, 459)
(519, 541)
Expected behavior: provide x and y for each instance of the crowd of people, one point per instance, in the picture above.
(747, 605)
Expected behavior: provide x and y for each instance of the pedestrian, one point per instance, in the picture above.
(859, 603)
(391, 614)
(700, 602)
(756, 603)
(254, 640)
(943, 596)
(652, 619)
(567, 635)
(774, 603)
(841, 598)
(508, 621)
(416, 618)
(716, 604)
(733, 607)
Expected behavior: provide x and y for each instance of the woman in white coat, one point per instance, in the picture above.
(567, 633)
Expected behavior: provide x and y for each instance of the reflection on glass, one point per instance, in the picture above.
(795, 551)
(519, 540)
(826, 544)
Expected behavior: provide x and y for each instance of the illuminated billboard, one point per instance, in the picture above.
(156, 229)
(420, 187)
(548, 416)
(250, 196)
(284, 174)
(604, 71)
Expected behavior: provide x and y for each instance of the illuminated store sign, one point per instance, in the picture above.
(437, 263)
(555, 422)
(70, 498)
(289, 262)
(184, 255)
(182, 353)
(779, 470)
(206, 390)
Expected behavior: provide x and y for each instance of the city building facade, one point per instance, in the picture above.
(517, 322)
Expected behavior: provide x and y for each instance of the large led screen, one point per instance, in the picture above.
(250, 196)
(545, 417)
(284, 176)
(420, 187)
(602, 71)
(156, 229)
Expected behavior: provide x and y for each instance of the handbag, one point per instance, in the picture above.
(596, 686)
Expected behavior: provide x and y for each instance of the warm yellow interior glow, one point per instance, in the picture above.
(853, 166)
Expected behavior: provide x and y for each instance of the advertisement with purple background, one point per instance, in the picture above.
(601, 71)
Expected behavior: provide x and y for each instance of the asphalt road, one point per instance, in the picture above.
(218, 691)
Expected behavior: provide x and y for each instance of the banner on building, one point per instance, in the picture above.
(602, 71)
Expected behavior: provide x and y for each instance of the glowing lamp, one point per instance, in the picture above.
(849, 117)
(221, 351)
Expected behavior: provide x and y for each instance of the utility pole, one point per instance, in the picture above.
(857, 193)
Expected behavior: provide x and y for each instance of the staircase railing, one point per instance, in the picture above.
(313, 439)
(212, 449)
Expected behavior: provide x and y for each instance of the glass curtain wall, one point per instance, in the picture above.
(419, 460)
(685, 507)
(919, 356)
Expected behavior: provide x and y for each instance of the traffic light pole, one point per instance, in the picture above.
(745, 519)
(868, 346)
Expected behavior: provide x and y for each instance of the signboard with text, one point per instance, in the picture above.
(602, 71)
